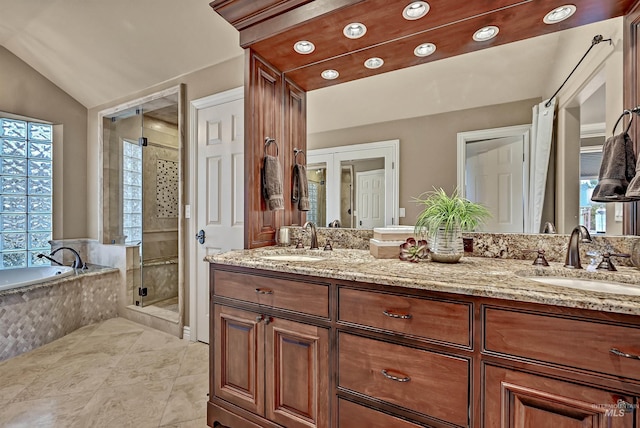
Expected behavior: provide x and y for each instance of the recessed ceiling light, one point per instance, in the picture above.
(355, 30)
(330, 74)
(415, 10)
(559, 14)
(373, 63)
(304, 47)
(424, 49)
(486, 33)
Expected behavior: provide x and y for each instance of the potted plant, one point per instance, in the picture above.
(444, 218)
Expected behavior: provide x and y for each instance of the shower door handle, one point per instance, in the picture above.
(200, 236)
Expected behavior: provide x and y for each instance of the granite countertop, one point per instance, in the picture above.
(473, 276)
(92, 270)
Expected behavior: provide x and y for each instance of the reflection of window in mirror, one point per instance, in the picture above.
(317, 178)
(595, 216)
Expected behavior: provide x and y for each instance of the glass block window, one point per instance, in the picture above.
(26, 174)
(132, 192)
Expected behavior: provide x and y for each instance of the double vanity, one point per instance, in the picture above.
(305, 338)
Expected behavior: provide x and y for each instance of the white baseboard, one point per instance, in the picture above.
(186, 333)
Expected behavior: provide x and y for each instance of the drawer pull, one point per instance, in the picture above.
(619, 353)
(264, 291)
(386, 374)
(391, 314)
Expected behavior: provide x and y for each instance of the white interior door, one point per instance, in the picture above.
(220, 193)
(494, 177)
(370, 204)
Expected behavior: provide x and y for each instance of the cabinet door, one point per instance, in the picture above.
(297, 376)
(521, 400)
(239, 358)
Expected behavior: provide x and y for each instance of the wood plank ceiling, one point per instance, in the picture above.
(272, 27)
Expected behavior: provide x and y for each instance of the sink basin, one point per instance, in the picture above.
(589, 285)
(292, 258)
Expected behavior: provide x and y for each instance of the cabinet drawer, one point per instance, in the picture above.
(576, 343)
(353, 415)
(426, 382)
(432, 319)
(308, 298)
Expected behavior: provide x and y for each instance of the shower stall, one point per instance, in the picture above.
(142, 167)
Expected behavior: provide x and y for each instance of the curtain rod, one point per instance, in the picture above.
(597, 39)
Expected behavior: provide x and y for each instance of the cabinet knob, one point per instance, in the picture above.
(402, 378)
(392, 314)
(264, 291)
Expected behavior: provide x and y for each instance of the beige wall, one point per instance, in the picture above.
(427, 144)
(25, 92)
(201, 83)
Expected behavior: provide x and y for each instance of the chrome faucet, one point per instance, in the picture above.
(314, 235)
(77, 263)
(579, 234)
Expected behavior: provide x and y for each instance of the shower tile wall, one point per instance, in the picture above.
(160, 222)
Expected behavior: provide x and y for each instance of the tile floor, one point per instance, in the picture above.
(112, 374)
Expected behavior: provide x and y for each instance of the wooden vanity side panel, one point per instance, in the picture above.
(437, 320)
(304, 297)
(434, 384)
(583, 344)
(263, 118)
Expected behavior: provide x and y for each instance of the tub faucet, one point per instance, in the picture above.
(51, 259)
(77, 263)
(314, 235)
(579, 234)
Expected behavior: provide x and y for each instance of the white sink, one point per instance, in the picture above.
(589, 285)
(292, 258)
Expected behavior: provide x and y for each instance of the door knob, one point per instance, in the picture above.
(200, 236)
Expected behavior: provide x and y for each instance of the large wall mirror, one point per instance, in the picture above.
(142, 165)
(426, 106)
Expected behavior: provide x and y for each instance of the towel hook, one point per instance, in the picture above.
(267, 142)
(624, 113)
(296, 152)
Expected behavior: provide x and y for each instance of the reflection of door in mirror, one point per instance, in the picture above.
(494, 177)
(341, 166)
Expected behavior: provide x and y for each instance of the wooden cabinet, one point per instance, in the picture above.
(514, 399)
(297, 351)
(274, 368)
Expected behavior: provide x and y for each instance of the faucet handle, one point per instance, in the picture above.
(299, 244)
(540, 259)
(606, 262)
(327, 246)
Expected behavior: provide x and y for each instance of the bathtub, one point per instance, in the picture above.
(19, 277)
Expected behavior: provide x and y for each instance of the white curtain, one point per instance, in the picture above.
(540, 151)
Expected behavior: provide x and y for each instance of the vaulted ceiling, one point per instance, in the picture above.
(99, 51)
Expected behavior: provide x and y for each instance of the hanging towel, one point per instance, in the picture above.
(300, 191)
(616, 171)
(633, 191)
(272, 183)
